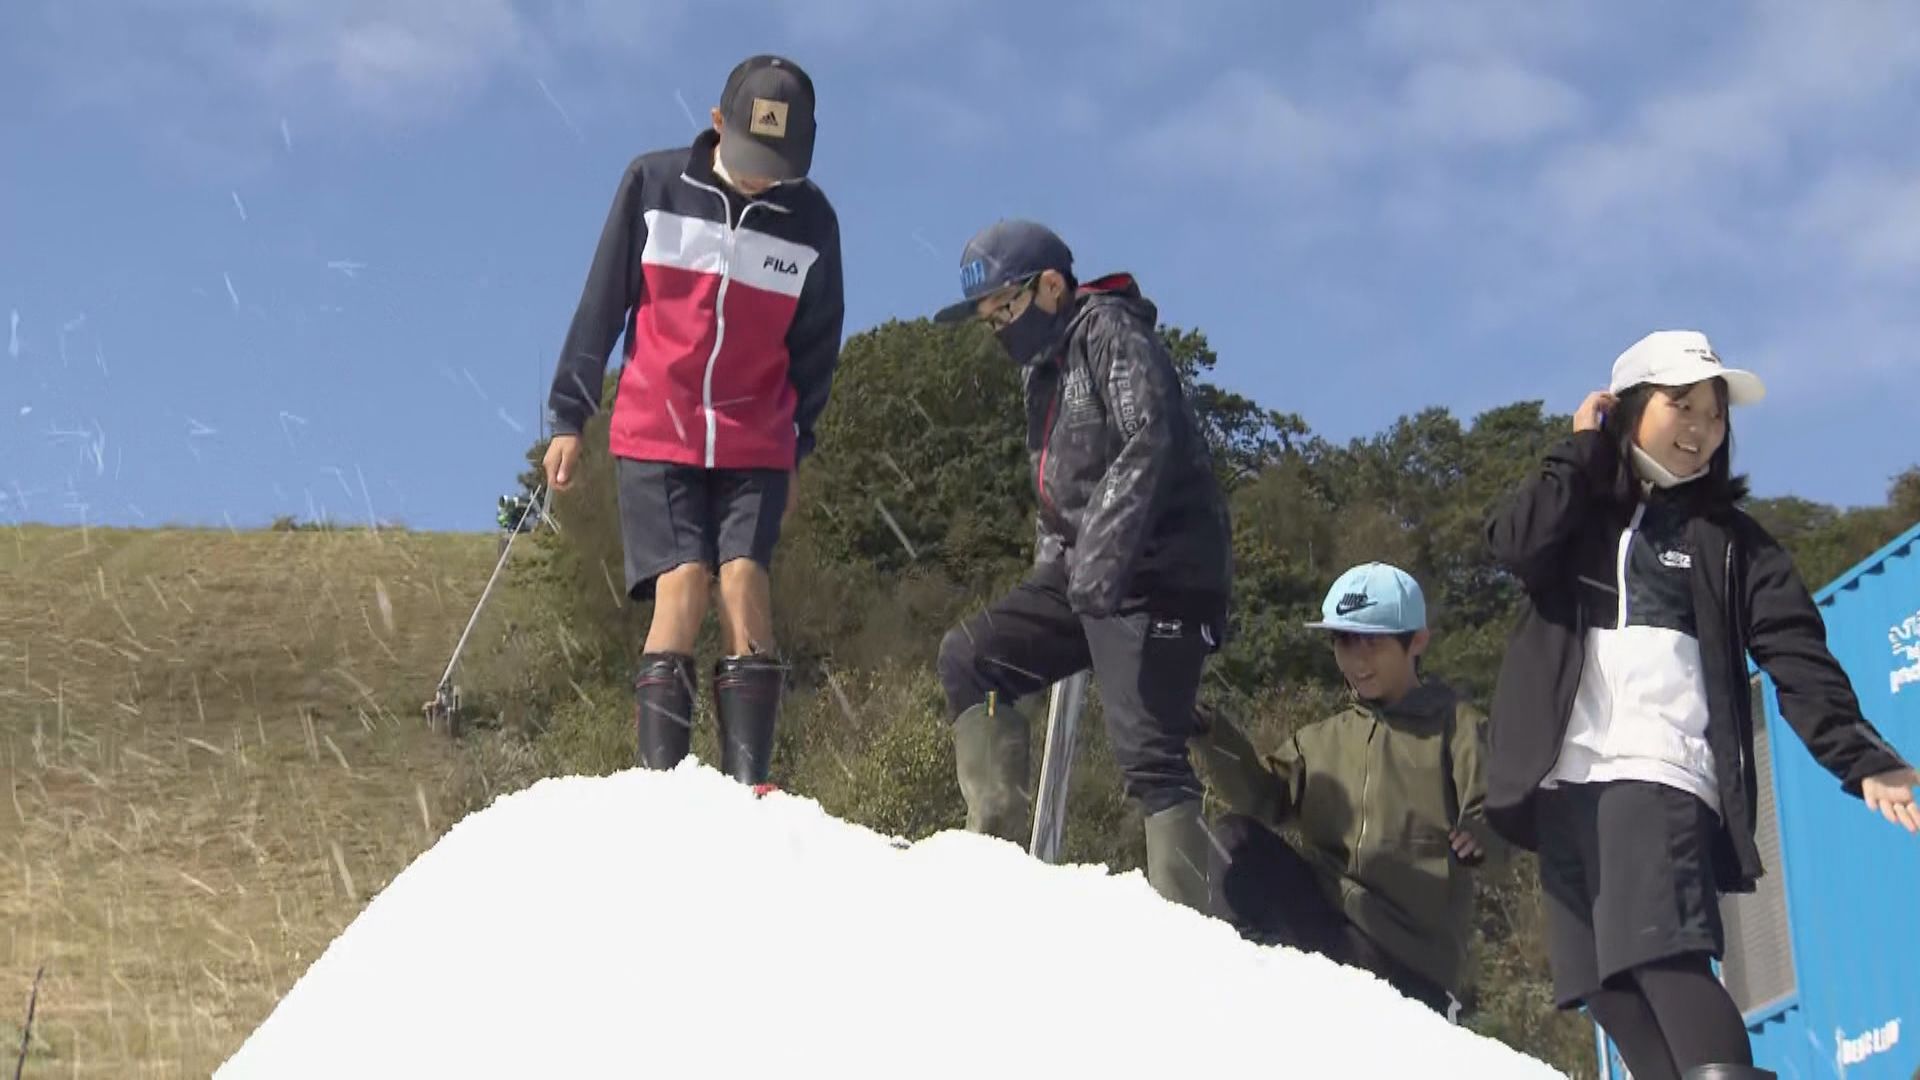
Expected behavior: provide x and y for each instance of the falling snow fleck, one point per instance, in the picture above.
(895, 526)
(240, 206)
(386, 604)
(902, 473)
(555, 102)
(373, 522)
(286, 416)
(231, 293)
(674, 415)
(13, 336)
(677, 96)
(346, 266)
(286, 134)
(342, 477)
(511, 422)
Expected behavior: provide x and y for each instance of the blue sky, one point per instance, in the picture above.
(290, 256)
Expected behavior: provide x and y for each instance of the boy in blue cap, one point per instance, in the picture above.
(1131, 573)
(1386, 796)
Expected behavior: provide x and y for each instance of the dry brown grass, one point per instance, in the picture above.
(212, 758)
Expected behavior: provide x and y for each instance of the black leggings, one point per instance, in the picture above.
(1670, 1016)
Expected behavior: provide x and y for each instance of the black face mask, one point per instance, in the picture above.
(1031, 338)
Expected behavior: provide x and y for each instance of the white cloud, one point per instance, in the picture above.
(930, 115)
(398, 60)
(1504, 28)
(1495, 101)
(1079, 111)
(1246, 128)
(867, 24)
(381, 59)
(1871, 213)
(1732, 116)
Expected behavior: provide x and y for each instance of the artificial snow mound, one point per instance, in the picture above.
(672, 924)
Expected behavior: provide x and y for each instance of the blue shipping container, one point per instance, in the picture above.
(1824, 958)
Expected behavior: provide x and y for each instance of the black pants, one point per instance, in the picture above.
(1272, 895)
(1146, 659)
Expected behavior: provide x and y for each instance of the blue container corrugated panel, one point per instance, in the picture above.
(1852, 880)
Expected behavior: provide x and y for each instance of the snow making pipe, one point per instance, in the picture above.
(447, 677)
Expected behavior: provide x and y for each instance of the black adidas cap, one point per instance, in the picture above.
(768, 112)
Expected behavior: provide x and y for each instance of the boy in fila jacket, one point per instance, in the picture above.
(720, 263)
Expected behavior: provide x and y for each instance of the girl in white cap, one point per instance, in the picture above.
(1622, 726)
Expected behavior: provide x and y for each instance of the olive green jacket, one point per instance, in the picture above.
(1374, 793)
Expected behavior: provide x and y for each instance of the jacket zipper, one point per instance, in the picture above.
(1626, 547)
(720, 307)
(1366, 785)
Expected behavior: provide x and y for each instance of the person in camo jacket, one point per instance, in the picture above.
(721, 263)
(1131, 575)
(1387, 796)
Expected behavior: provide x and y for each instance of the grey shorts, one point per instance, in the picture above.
(1626, 877)
(672, 515)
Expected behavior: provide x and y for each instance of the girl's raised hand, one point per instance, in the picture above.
(1593, 411)
(1892, 793)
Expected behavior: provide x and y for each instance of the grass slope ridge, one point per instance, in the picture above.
(212, 758)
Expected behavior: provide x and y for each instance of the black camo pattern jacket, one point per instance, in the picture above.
(1130, 509)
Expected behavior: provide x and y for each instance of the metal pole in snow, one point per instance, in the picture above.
(1064, 706)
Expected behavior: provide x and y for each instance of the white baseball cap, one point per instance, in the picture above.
(1682, 358)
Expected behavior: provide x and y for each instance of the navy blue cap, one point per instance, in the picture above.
(1002, 254)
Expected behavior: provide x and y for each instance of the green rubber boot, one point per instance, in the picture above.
(1177, 855)
(991, 757)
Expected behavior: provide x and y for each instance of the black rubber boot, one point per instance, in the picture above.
(663, 694)
(1729, 1072)
(746, 701)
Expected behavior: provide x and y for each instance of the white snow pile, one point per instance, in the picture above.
(672, 924)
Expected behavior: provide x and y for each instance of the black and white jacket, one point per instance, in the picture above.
(1641, 711)
(1667, 598)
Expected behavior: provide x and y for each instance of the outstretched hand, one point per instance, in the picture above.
(1892, 793)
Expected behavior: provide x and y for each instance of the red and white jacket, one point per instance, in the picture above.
(732, 309)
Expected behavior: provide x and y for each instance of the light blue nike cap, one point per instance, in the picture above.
(1373, 598)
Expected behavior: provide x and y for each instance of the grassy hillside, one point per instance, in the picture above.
(212, 757)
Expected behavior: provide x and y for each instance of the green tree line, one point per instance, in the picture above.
(919, 506)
